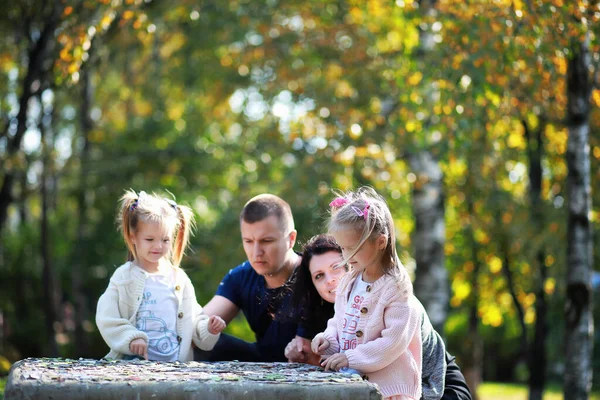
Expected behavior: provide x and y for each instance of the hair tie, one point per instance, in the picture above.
(172, 203)
(338, 202)
(364, 212)
(137, 201)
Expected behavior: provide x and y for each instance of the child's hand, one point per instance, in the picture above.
(139, 347)
(216, 324)
(335, 362)
(319, 344)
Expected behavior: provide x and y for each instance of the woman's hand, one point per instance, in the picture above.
(298, 350)
(335, 362)
(216, 324)
(319, 344)
(139, 347)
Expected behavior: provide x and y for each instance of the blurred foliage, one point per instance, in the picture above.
(215, 102)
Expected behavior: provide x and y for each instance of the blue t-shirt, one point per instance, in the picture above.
(268, 311)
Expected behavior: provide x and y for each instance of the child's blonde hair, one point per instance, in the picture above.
(365, 211)
(177, 219)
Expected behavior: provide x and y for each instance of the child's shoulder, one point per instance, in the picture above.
(397, 289)
(123, 271)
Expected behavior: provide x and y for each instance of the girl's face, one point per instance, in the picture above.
(368, 256)
(152, 242)
(324, 275)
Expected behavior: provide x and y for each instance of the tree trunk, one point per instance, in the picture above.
(49, 305)
(35, 72)
(431, 277)
(537, 350)
(537, 356)
(474, 366)
(78, 265)
(506, 270)
(578, 308)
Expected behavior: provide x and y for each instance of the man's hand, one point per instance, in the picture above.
(335, 362)
(319, 344)
(139, 347)
(216, 324)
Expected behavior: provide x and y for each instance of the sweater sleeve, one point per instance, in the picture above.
(401, 321)
(202, 337)
(331, 336)
(116, 331)
(331, 332)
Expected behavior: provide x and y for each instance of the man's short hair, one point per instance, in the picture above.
(263, 206)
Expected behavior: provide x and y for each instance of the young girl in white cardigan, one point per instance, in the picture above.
(376, 327)
(149, 309)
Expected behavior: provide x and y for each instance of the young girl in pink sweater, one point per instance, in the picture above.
(375, 329)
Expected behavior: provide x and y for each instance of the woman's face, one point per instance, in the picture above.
(324, 275)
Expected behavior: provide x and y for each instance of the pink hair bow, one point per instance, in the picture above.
(362, 213)
(338, 202)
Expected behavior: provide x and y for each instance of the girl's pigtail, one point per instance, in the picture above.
(182, 236)
(127, 207)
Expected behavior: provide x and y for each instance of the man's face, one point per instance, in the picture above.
(265, 244)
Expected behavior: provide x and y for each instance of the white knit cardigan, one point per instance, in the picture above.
(119, 304)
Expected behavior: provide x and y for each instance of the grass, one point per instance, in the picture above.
(510, 391)
(2, 385)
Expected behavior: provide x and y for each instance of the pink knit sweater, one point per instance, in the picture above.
(389, 348)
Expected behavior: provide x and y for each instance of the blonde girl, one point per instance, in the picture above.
(375, 330)
(149, 309)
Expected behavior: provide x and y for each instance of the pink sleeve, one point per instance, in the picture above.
(401, 322)
(331, 333)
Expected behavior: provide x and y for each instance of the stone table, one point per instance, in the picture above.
(51, 378)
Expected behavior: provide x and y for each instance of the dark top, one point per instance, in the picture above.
(268, 311)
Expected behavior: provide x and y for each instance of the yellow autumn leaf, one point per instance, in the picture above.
(481, 236)
(127, 15)
(530, 316)
(143, 108)
(495, 264)
(415, 78)
(395, 40)
(492, 316)
(357, 15)
(549, 286)
(175, 111)
(596, 97)
(333, 71)
(461, 289)
(516, 141)
(173, 44)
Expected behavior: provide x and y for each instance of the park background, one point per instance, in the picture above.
(477, 120)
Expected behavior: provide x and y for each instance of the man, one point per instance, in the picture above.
(257, 287)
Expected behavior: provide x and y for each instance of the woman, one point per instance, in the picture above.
(314, 286)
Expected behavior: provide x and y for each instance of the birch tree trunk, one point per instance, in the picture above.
(578, 308)
(431, 278)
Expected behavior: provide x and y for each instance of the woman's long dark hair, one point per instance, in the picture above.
(313, 310)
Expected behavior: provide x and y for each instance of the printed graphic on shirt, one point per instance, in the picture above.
(352, 316)
(157, 318)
